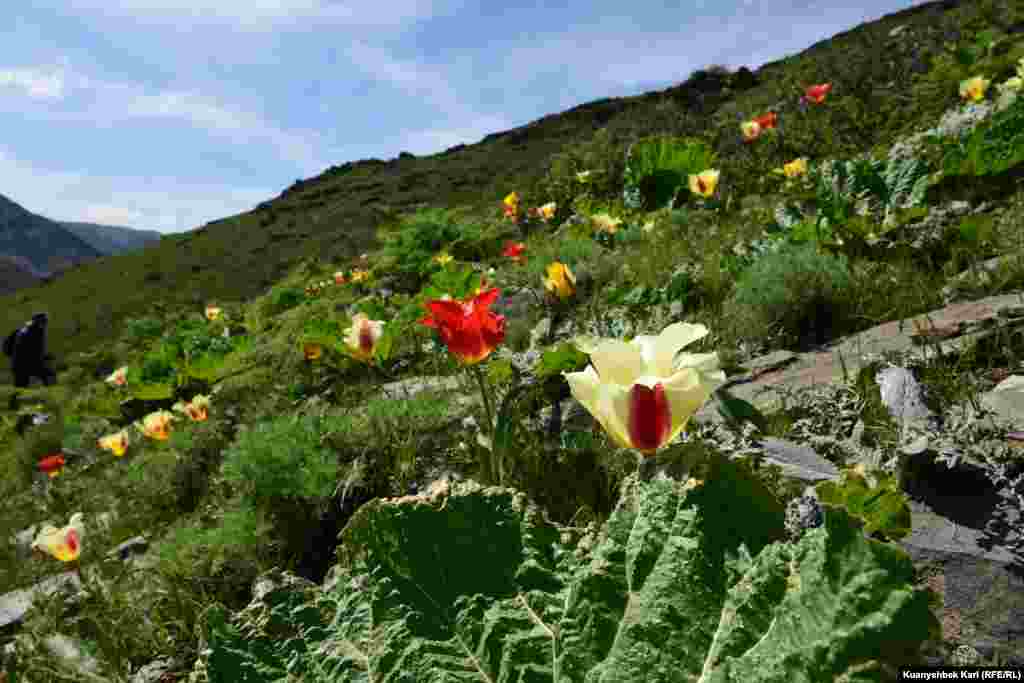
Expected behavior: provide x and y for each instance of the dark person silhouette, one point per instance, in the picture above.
(27, 347)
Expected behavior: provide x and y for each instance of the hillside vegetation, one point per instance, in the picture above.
(219, 394)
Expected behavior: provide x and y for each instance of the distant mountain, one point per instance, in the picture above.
(15, 274)
(112, 239)
(33, 247)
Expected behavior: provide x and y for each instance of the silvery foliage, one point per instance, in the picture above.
(962, 120)
(802, 515)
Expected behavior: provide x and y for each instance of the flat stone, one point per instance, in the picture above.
(797, 461)
(1007, 400)
(15, 604)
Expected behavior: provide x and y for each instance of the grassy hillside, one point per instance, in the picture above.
(300, 433)
(335, 216)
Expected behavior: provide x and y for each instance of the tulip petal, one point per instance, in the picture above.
(618, 362)
(658, 352)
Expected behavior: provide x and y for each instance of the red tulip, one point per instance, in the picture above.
(766, 120)
(468, 328)
(52, 464)
(514, 250)
(816, 93)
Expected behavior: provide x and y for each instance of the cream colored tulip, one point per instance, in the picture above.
(115, 443)
(157, 425)
(606, 223)
(64, 544)
(212, 312)
(119, 377)
(640, 391)
(363, 335)
(704, 183)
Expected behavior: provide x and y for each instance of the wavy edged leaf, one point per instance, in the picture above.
(880, 503)
(684, 583)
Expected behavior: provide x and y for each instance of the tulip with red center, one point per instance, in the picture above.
(362, 337)
(468, 328)
(514, 250)
(158, 425)
(751, 130)
(640, 392)
(213, 312)
(52, 464)
(511, 205)
(63, 544)
(115, 443)
(816, 93)
(339, 278)
(704, 183)
(118, 378)
(197, 409)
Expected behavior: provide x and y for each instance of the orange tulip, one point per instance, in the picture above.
(312, 351)
(468, 328)
(197, 409)
(118, 378)
(212, 312)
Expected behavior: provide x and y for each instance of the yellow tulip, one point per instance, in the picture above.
(974, 88)
(795, 168)
(640, 392)
(560, 281)
(548, 210)
(115, 443)
(119, 377)
(360, 275)
(443, 259)
(363, 336)
(704, 183)
(212, 312)
(157, 425)
(64, 544)
(512, 199)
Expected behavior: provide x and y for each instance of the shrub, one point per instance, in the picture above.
(281, 299)
(796, 289)
(420, 238)
(143, 329)
(281, 458)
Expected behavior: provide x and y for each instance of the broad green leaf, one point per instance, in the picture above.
(684, 583)
(881, 503)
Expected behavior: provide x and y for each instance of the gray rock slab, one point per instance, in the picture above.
(15, 604)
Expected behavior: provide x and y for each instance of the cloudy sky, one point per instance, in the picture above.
(166, 114)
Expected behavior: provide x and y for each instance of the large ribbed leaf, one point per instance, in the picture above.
(684, 583)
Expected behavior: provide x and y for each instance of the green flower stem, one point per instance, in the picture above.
(496, 464)
(478, 373)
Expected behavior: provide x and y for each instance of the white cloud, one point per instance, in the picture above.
(37, 82)
(118, 102)
(263, 14)
(161, 204)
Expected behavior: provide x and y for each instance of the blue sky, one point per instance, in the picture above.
(166, 114)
